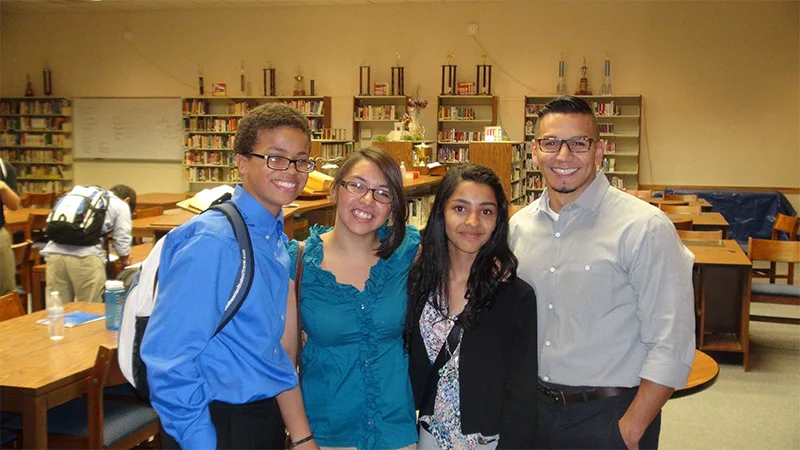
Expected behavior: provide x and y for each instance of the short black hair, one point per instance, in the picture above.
(122, 191)
(267, 117)
(567, 104)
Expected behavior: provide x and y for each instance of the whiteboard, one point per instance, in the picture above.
(128, 128)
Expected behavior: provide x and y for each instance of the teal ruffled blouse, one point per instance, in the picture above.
(355, 372)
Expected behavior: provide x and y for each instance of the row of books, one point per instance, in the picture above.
(333, 151)
(456, 113)
(517, 191)
(606, 146)
(307, 107)
(376, 112)
(605, 127)
(606, 109)
(209, 158)
(41, 186)
(459, 136)
(210, 124)
(48, 171)
(534, 182)
(35, 140)
(42, 156)
(214, 141)
(59, 106)
(531, 196)
(419, 209)
(618, 182)
(453, 154)
(35, 124)
(211, 174)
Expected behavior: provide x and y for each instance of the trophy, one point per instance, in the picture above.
(47, 80)
(483, 78)
(606, 88)
(28, 86)
(269, 81)
(363, 89)
(561, 87)
(449, 76)
(398, 78)
(242, 81)
(200, 80)
(583, 85)
(299, 87)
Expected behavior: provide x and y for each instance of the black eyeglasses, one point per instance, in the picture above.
(360, 189)
(575, 145)
(275, 162)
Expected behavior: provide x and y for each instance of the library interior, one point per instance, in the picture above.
(697, 106)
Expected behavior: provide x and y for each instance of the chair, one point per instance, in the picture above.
(683, 224)
(39, 200)
(149, 212)
(780, 294)
(24, 264)
(102, 419)
(682, 209)
(10, 306)
(715, 235)
(686, 197)
(783, 224)
(643, 194)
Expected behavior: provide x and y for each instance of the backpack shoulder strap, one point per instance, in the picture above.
(244, 277)
(3, 169)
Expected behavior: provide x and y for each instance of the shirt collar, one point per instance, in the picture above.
(255, 214)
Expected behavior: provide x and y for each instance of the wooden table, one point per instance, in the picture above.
(164, 199)
(706, 221)
(724, 297)
(18, 219)
(37, 373)
(705, 206)
(39, 277)
(703, 375)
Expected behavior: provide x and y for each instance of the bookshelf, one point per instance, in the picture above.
(375, 115)
(619, 118)
(506, 159)
(331, 150)
(36, 137)
(461, 119)
(209, 127)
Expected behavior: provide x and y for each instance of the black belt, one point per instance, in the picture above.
(581, 396)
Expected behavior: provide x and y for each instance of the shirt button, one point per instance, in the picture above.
(283, 317)
(546, 378)
(558, 234)
(275, 254)
(547, 343)
(275, 352)
(550, 306)
(552, 269)
(587, 267)
(267, 236)
(370, 422)
(363, 306)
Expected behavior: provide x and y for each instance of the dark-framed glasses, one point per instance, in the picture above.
(360, 189)
(575, 145)
(276, 162)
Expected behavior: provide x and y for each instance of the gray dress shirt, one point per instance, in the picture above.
(614, 290)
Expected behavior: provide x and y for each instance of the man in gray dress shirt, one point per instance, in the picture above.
(614, 291)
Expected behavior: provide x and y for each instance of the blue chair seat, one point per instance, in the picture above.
(120, 419)
(781, 290)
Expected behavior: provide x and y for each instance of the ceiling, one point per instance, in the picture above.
(154, 5)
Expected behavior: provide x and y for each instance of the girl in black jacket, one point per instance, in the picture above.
(471, 323)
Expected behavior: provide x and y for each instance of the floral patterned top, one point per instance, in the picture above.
(445, 423)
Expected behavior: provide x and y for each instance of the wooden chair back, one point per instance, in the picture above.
(643, 194)
(786, 224)
(687, 197)
(10, 306)
(775, 252)
(683, 224)
(149, 212)
(23, 261)
(39, 200)
(682, 209)
(715, 235)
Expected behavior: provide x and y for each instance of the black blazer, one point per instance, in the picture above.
(498, 368)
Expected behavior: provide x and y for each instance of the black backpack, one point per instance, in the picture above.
(78, 217)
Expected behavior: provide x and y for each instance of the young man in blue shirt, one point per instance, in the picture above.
(222, 390)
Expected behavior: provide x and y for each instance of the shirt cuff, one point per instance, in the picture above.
(674, 375)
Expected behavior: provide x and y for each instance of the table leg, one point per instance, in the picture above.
(38, 286)
(34, 423)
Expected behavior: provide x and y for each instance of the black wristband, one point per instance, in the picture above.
(302, 441)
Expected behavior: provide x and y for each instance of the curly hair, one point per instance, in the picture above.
(495, 263)
(269, 116)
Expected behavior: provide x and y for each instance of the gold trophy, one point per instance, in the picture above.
(299, 87)
(583, 85)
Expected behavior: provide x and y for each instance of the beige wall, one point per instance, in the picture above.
(720, 80)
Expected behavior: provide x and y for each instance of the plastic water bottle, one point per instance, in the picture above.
(55, 316)
(114, 298)
(403, 169)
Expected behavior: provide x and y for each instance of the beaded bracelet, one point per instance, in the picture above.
(302, 441)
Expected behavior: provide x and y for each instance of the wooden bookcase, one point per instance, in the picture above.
(375, 115)
(461, 119)
(619, 118)
(330, 150)
(36, 137)
(506, 160)
(210, 123)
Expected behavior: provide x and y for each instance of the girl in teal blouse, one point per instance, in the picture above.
(355, 381)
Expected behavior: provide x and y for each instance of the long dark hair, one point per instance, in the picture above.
(494, 263)
(389, 168)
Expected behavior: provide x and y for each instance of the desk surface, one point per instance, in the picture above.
(703, 375)
(660, 201)
(21, 215)
(34, 364)
(165, 199)
(725, 252)
(713, 219)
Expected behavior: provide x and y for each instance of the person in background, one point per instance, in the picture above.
(8, 199)
(77, 272)
(614, 289)
(233, 389)
(353, 300)
(468, 309)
